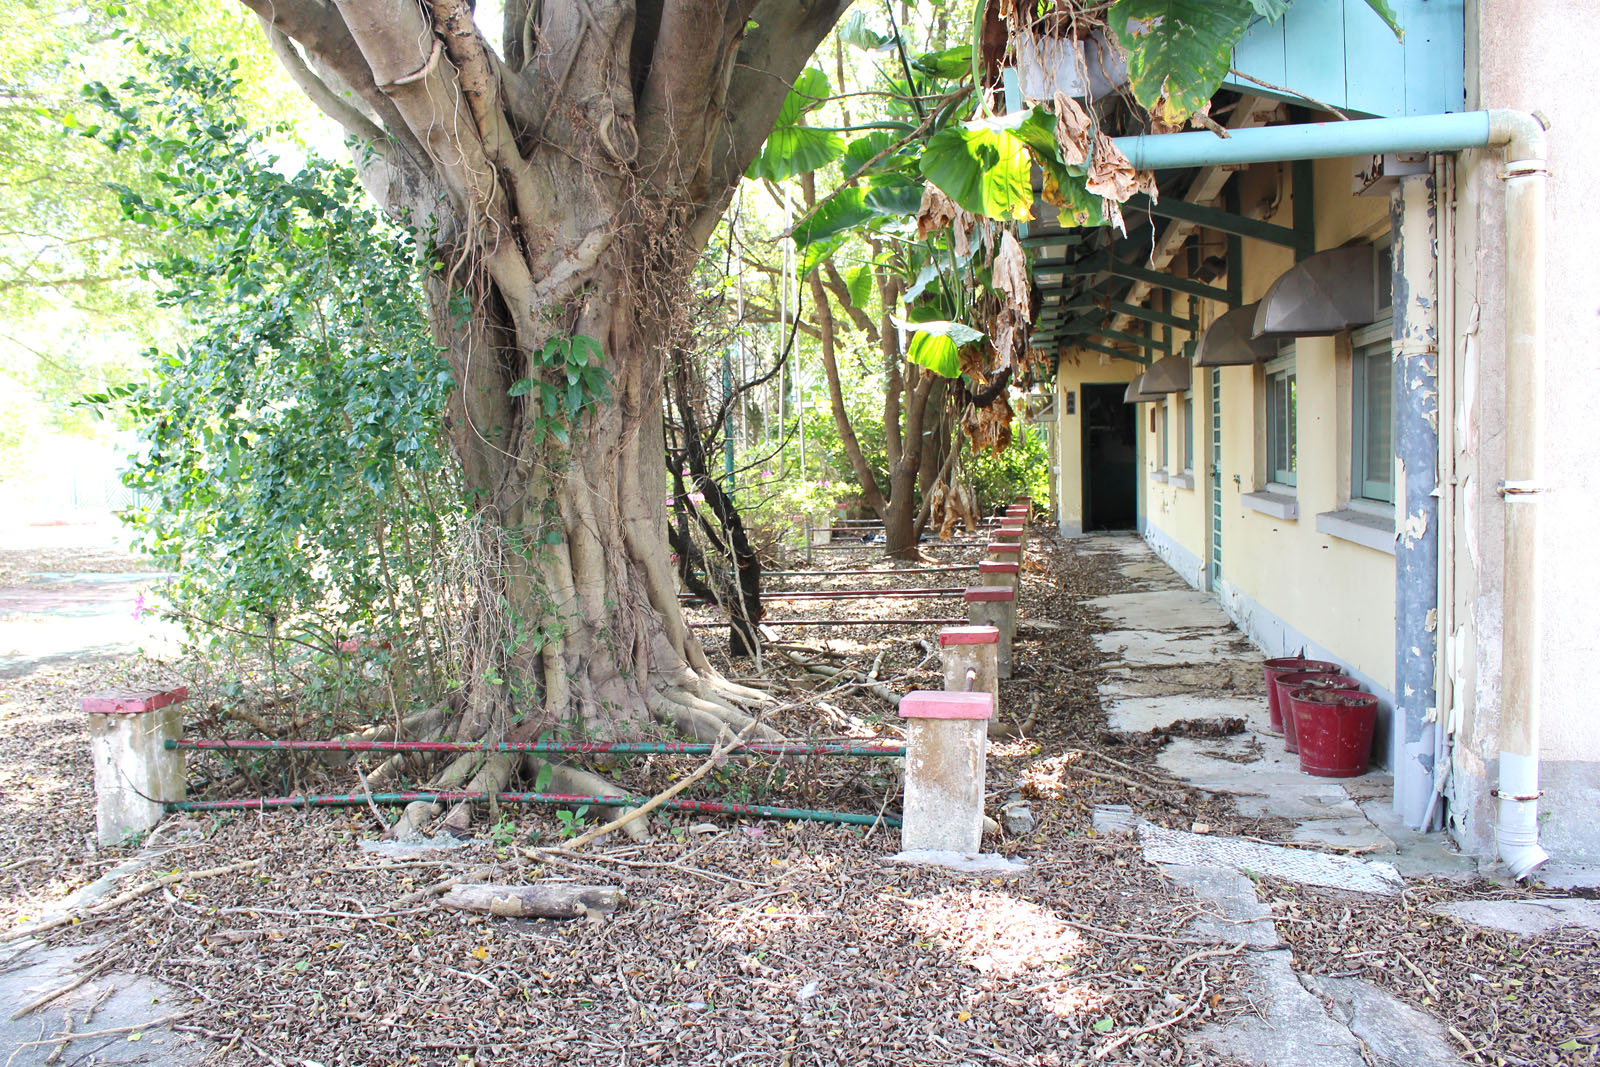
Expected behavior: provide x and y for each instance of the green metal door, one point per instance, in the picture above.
(1214, 571)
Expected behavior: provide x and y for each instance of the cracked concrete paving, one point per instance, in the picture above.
(1173, 654)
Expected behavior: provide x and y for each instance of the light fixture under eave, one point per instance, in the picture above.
(1328, 293)
(1227, 341)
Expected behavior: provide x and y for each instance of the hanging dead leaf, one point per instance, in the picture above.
(938, 211)
(965, 501)
(972, 365)
(1112, 176)
(1009, 272)
(1074, 131)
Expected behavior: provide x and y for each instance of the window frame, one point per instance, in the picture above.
(1187, 407)
(1287, 415)
(1368, 346)
(1164, 453)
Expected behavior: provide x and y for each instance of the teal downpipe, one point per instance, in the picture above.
(1310, 140)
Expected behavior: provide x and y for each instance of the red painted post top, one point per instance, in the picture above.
(1004, 548)
(969, 635)
(994, 566)
(940, 705)
(132, 701)
(980, 593)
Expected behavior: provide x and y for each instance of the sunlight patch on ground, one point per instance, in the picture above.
(994, 934)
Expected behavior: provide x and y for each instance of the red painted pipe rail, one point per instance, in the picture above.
(837, 622)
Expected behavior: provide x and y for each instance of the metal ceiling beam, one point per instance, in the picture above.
(1177, 285)
(1212, 218)
(1115, 353)
(1118, 307)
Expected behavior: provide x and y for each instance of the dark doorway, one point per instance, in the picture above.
(1110, 459)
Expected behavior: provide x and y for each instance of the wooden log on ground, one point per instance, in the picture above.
(545, 900)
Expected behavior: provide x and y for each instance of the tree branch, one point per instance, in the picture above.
(345, 114)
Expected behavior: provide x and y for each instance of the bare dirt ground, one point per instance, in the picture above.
(747, 942)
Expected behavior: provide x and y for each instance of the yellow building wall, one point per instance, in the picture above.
(1338, 594)
(1333, 593)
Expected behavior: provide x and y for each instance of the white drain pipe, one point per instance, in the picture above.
(1526, 174)
(1522, 137)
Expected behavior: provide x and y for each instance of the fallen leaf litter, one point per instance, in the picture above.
(769, 943)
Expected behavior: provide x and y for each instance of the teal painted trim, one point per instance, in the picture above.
(1115, 353)
(1174, 284)
(1311, 140)
(1221, 221)
(1302, 176)
(1148, 343)
(1068, 239)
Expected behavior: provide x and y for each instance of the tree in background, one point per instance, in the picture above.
(75, 305)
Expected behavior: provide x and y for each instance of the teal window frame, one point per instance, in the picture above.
(1164, 454)
(1283, 459)
(1188, 431)
(1372, 414)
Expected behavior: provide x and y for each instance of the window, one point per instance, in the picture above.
(1281, 411)
(1188, 431)
(1372, 409)
(1162, 455)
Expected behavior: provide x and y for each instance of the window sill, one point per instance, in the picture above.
(1158, 476)
(1182, 481)
(1278, 504)
(1359, 527)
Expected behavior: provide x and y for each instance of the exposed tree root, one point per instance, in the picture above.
(565, 778)
(492, 777)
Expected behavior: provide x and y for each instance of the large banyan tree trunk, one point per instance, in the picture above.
(562, 188)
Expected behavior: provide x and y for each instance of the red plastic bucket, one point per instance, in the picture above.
(1290, 665)
(1335, 728)
(1288, 683)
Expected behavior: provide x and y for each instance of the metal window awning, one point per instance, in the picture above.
(1169, 375)
(1326, 294)
(1227, 341)
(1136, 393)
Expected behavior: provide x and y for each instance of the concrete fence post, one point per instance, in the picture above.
(1012, 530)
(975, 649)
(997, 572)
(134, 772)
(1005, 551)
(995, 605)
(946, 742)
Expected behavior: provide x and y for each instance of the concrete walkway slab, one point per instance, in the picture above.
(1148, 713)
(1527, 918)
(117, 1032)
(1303, 866)
(1138, 648)
(1163, 609)
(1394, 1033)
